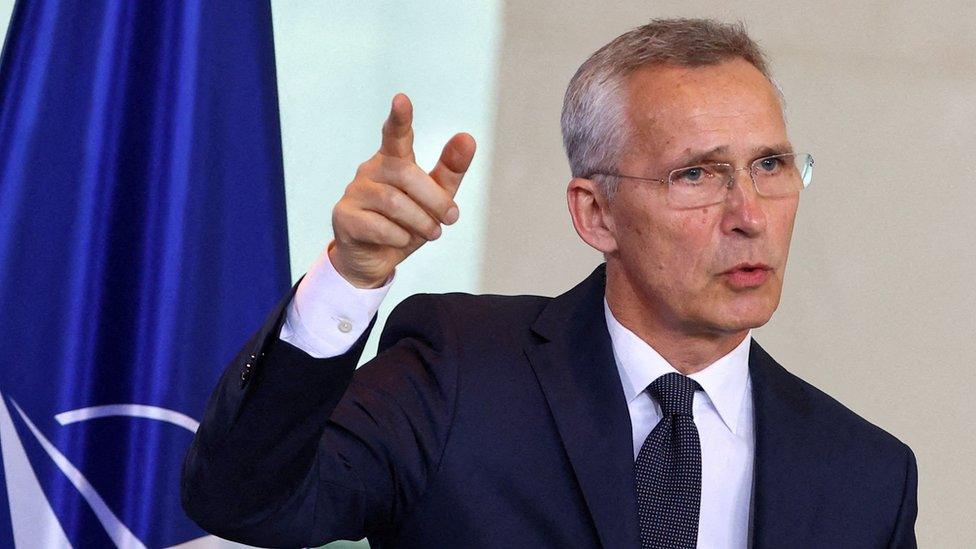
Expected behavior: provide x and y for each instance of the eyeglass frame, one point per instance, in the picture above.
(805, 182)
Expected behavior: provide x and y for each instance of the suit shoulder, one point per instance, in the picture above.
(489, 304)
(461, 315)
(845, 424)
(824, 412)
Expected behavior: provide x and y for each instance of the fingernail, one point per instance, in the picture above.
(437, 232)
(451, 216)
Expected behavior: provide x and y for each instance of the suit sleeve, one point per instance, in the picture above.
(298, 451)
(904, 534)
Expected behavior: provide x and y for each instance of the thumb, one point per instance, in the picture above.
(454, 162)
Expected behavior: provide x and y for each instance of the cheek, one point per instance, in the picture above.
(677, 254)
(646, 245)
(695, 239)
(668, 246)
(782, 227)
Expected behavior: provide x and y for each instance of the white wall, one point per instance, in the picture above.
(6, 8)
(339, 65)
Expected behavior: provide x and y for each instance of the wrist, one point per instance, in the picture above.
(361, 281)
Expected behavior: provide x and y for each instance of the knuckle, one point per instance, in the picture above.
(409, 173)
(383, 232)
(372, 232)
(393, 199)
(397, 237)
(355, 228)
(341, 231)
(392, 235)
(411, 169)
(372, 196)
(364, 169)
(353, 189)
(367, 168)
(394, 170)
(338, 213)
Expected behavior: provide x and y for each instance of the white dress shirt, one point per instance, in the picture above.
(328, 314)
(723, 416)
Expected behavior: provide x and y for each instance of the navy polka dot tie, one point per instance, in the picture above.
(668, 468)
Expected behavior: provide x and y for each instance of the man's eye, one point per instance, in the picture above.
(770, 164)
(690, 175)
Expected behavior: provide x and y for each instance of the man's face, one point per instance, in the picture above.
(680, 265)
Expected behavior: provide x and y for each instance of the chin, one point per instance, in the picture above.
(749, 323)
(746, 316)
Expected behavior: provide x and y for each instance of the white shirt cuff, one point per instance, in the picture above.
(328, 314)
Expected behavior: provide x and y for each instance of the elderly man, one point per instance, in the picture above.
(634, 410)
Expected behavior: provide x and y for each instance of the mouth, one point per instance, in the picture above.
(747, 275)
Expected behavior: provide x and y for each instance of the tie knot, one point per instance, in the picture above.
(675, 393)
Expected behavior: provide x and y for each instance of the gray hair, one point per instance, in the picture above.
(595, 122)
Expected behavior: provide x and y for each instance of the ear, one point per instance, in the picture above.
(592, 218)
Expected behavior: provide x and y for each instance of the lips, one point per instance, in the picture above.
(747, 275)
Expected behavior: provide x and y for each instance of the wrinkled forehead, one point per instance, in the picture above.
(729, 106)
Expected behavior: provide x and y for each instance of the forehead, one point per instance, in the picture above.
(677, 110)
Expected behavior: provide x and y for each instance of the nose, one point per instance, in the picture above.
(744, 213)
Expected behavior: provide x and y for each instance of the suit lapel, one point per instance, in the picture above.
(785, 496)
(573, 361)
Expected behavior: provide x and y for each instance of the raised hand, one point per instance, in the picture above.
(392, 207)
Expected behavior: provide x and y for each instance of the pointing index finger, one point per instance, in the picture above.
(398, 129)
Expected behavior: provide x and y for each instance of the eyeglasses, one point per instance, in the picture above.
(706, 184)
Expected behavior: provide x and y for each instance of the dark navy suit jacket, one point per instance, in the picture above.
(500, 421)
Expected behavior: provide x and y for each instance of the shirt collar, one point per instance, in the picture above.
(724, 381)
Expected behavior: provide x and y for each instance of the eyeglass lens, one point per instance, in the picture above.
(778, 175)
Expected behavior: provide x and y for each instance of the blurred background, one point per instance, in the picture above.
(879, 307)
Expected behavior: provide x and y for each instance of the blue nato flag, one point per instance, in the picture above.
(142, 237)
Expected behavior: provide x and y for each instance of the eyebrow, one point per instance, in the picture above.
(720, 154)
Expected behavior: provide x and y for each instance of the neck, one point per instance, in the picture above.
(688, 351)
